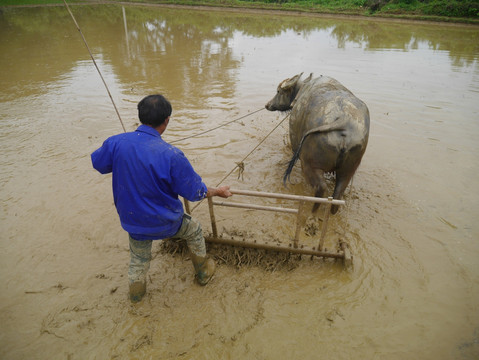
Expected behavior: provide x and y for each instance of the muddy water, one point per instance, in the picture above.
(411, 218)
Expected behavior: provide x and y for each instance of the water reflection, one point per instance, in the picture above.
(187, 53)
(460, 42)
(193, 47)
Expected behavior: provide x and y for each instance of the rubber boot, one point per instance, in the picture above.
(137, 291)
(204, 268)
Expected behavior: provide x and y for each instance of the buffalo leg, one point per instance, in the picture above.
(315, 177)
(342, 181)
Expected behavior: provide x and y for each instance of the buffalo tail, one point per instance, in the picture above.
(340, 125)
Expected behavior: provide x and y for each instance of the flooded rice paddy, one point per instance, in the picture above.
(411, 218)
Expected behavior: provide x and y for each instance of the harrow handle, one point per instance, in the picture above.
(287, 196)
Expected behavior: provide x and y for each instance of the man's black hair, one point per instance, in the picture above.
(153, 110)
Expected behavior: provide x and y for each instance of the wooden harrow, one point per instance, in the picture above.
(294, 247)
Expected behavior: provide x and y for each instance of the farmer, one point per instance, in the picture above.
(148, 176)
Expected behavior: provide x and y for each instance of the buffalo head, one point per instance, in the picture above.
(286, 93)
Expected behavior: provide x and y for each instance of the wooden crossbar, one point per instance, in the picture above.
(287, 197)
(255, 207)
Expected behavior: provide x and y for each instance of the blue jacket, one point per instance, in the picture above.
(148, 176)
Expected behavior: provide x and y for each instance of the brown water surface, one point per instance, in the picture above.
(411, 219)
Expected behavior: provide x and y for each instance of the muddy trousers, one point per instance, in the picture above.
(140, 250)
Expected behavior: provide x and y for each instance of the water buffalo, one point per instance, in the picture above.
(328, 129)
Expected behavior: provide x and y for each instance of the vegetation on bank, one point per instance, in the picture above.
(445, 10)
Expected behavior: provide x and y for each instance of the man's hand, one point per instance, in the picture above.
(222, 191)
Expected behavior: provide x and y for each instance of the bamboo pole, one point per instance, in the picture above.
(287, 197)
(187, 206)
(324, 227)
(255, 207)
(298, 223)
(212, 217)
(278, 248)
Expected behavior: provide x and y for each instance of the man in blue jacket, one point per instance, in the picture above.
(148, 176)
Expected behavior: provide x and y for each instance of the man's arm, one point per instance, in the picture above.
(101, 159)
(222, 191)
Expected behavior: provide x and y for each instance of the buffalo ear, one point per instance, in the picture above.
(308, 78)
(289, 83)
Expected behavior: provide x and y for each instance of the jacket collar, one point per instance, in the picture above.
(148, 130)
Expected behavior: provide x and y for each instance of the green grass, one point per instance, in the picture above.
(29, 2)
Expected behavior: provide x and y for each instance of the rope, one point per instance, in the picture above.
(94, 62)
(257, 146)
(240, 162)
(217, 127)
